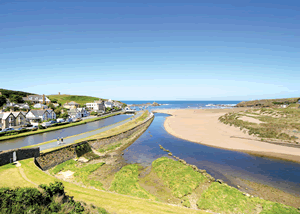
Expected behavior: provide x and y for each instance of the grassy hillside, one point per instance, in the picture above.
(8, 93)
(268, 102)
(62, 99)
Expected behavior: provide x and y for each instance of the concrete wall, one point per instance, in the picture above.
(7, 156)
(100, 143)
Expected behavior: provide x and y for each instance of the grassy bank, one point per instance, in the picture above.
(82, 100)
(56, 128)
(281, 125)
(110, 201)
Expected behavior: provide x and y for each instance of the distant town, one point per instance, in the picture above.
(34, 112)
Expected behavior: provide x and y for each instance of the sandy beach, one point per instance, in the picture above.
(202, 126)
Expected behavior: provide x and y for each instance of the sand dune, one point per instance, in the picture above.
(202, 126)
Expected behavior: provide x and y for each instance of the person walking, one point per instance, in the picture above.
(62, 140)
(58, 141)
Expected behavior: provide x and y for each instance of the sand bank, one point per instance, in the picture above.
(202, 126)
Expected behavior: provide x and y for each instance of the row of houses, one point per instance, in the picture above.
(19, 119)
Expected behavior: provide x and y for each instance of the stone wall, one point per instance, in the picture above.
(100, 143)
(6, 157)
(50, 159)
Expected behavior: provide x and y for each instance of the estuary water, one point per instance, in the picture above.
(221, 164)
(66, 132)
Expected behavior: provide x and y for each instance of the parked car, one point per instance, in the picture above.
(33, 127)
(19, 129)
(53, 122)
(7, 130)
(46, 124)
(60, 120)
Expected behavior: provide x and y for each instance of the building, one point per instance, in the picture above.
(74, 113)
(40, 105)
(51, 114)
(96, 106)
(71, 105)
(20, 118)
(83, 112)
(35, 116)
(109, 104)
(37, 99)
(7, 120)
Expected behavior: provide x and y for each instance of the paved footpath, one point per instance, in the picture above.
(72, 139)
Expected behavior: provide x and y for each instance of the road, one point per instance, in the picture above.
(72, 139)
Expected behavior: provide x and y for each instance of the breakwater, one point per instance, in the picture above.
(52, 158)
(9, 156)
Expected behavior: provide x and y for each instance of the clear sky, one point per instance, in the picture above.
(152, 50)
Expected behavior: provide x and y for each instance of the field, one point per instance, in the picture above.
(276, 124)
(82, 100)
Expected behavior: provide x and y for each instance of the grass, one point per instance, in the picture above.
(278, 123)
(55, 128)
(109, 148)
(120, 129)
(226, 199)
(181, 179)
(82, 171)
(126, 182)
(82, 100)
(114, 203)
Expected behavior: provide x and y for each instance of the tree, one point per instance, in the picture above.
(16, 99)
(124, 105)
(53, 100)
(2, 100)
(57, 112)
(107, 109)
(65, 115)
(51, 106)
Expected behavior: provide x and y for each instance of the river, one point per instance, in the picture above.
(47, 136)
(222, 164)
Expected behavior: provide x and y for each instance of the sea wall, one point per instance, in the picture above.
(50, 159)
(6, 157)
(100, 143)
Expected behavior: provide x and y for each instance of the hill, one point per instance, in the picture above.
(8, 93)
(268, 102)
(62, 99)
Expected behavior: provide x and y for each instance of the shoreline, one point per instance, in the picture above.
(182, 123)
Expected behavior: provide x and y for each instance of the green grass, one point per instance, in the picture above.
(82, 171)
(82, 100)
(126, 182)
(226, 199)
(114, 203)
(181, 179)
(7, 166)
(110, 147)
(272, 128)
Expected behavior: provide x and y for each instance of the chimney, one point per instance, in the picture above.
(43, 98)
(58, 93)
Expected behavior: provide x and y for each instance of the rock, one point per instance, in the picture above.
(246, 194)
(83, 160)
(220, 181)
(202, 170)
(238, 186)
(170, 154)
(155, 104)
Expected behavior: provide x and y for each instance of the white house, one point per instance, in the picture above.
(83, 112)
(34, 116)
(40, 105)
(37, 99)
(96, 106)
(51, 114)
(109, 104)
(74, 113)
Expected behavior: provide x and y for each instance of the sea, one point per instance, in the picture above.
(171, 104)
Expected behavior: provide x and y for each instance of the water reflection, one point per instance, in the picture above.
(218, 162)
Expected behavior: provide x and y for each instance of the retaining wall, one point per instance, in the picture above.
(60, 155)
(6, 157)
(100, 143)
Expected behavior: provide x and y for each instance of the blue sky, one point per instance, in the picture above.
(152, 50)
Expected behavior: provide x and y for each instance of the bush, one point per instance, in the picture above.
(94, 113)
(40, 127)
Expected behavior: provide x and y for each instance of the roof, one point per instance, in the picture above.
(73, 110)
(37, 113)
(6, 115)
